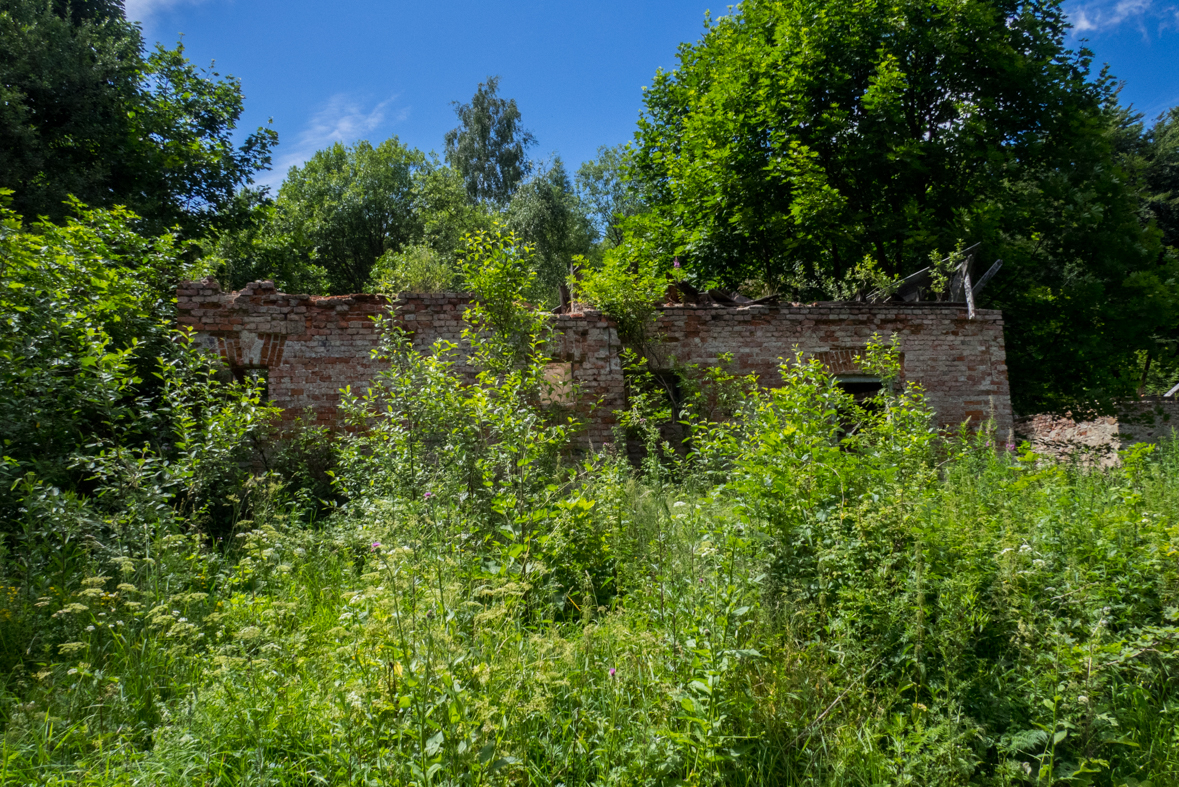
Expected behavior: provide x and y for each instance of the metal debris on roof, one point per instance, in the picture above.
(914, 288)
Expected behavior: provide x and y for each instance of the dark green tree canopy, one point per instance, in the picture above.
(1162, 175)
(259, 245)
(489, 147)
(350, 205)
(79, 298)
(98, 10)
(797, 138)
(84, 112)
(350, 220)
(446, 212)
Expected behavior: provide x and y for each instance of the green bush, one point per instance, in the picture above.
(626, 290)
(414, 269)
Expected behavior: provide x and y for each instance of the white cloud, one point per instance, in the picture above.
(342, 119)
(1103, 16)
(143, 10)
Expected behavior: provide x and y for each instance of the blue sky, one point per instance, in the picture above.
(368, 69)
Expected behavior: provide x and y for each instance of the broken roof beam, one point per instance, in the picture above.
(957, 290)
(986, 277)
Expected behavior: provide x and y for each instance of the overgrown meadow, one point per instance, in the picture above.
(811, 590)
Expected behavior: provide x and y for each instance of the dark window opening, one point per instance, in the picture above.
(672, 387)
(254, 375)
(860, 386)
(666, 388)
(863, 388)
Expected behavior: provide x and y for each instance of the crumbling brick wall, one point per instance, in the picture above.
(1151, 419)
(960, 362)
(312, 347)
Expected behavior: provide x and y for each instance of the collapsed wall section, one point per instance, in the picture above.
(1150, 419)
(311, 347)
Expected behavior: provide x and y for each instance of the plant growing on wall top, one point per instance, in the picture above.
(506, 332)
(625, 288)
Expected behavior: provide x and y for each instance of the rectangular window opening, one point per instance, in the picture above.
(558, 384)
(254, 375)
(860, 386)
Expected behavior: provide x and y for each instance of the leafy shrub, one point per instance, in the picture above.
(305, 456)
(84, 313)
(626, 290)
(416, 269)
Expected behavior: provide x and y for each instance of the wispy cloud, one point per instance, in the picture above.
(1103, 16)
(144, 10)
(342, 119)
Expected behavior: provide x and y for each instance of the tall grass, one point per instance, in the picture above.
(818, 593)
(1017, 627)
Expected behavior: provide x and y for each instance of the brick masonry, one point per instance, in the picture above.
(312, 347)
(1150, 419)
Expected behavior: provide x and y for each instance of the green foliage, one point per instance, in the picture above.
(818, 590)
(796, 139)
(811, 464)
(85, 112)
(96, 381)
(85, 310)
(446, 212)
(626, 290)
(548, 216)
(262, 245)
(118, 436)
(507, 337)
(1162, 175)
(489, 146)
(1156, 154)
(851, 604)
(305, 456)
(349, 206)
(416, 268)
(866, 278)
(352, 219)
(604, 189)
(793, 139)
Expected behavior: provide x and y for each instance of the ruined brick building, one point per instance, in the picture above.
(311, 347)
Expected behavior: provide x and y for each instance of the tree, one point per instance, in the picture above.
(546, 214)
(350, 205)
(86, 311)
(797, 138)
(489, 146)
(82, 10)
(84, 112)
(447, 217)
(1162, 175)
(259, 245)
(609, 197)
(1154, 152)
(447, 213)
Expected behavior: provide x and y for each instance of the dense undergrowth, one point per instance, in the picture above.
(818, 592)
